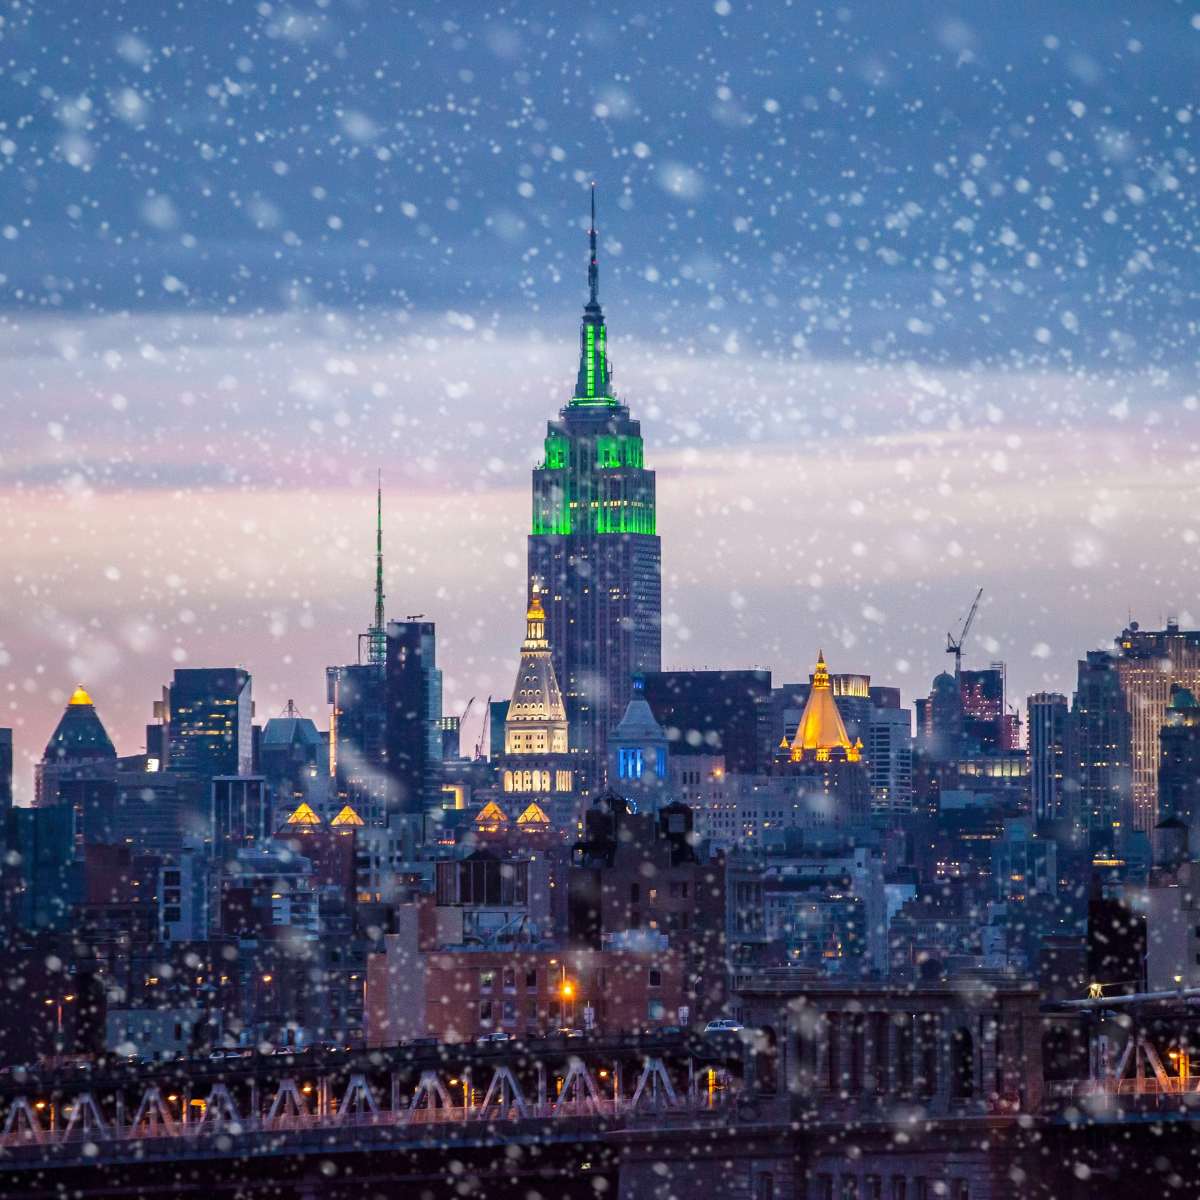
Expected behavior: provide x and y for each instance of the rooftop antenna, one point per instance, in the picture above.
(593, 264)
(376, 636)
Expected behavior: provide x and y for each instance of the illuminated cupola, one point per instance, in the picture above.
(536, 762)
(821, 735)
(536, 721)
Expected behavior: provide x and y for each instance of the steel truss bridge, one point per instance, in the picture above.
(650, 1117)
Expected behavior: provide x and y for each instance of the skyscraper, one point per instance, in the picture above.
(6, 769)
(594, 552)
(79, 768)
(1149, 663)
(715, 712)
(985, 721)
(1100, 749)
(413, 686)
(207, 715)
(358, 719)
(1048, 749)
(1179, 763)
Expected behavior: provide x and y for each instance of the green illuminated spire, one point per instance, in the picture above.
(377, 635)
(593, 385)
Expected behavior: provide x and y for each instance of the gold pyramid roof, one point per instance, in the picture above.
(347, 817)
(491, 815)
(821, 729)
(79, 696)
(304, 815)
(533, 815)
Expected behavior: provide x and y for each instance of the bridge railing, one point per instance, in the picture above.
(81, 1122)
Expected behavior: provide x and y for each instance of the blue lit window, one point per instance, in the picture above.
(629, 763)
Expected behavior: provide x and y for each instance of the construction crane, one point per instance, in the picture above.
(954, 646)
(462, 721)
(487, 714)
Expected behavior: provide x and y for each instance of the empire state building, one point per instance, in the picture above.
(594, 551)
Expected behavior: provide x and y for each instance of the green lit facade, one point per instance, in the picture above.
(593, 546)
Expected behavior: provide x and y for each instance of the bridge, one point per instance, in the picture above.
(837, 1092)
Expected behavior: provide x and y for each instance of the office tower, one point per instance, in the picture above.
(889, 756)
(1101, 747)
(358, 718)
(715, 712)
(6, 769)
(1047, 720)
(497, 715)
(413, 688)
(638, 767)
(240, 814)
(1148, 664)
(985, 725)
(593, 551)
(536, 766)
(1179, 763)
(45, 880)
(293, 758)
(940, 719)
(207, 715)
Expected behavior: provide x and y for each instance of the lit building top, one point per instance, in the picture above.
(80, 734)
(537, 720)
(346, 817)
(533, 816)
(822, 732)
(304, 815)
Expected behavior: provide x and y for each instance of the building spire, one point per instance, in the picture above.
(377, 639)
(593, 263)
(594, 383)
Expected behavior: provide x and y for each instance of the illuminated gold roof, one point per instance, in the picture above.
(79, 696)
(533, 815)
(304, 816)
(347, 817)
(491, 815)
(821, 729)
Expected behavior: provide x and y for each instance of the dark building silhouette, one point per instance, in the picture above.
(358, 719)
(1179, 764)
(1101, 730)
(940, 720)
(414, 706)
(715, 712)
(78, 756)
(1048, 721)
(207, 714)
(293, 758)
(985, 721)
(44, 880)
(594, 551)
(6, 769)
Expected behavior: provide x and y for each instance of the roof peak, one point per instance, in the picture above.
(79, 696)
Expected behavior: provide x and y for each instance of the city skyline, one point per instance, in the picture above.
(204, 378)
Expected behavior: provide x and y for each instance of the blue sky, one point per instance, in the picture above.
(906, 301)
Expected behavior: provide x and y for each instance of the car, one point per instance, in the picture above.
(497, 1035)
(569, 1033)
(724, 1025)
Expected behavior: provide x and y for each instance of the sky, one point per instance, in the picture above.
(904, 297)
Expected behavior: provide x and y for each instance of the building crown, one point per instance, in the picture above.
(822, 732)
